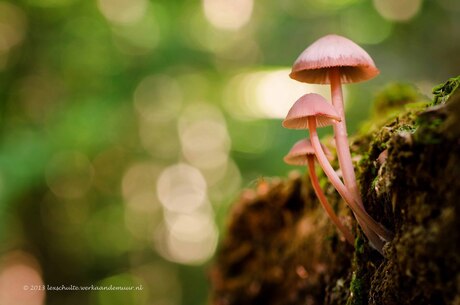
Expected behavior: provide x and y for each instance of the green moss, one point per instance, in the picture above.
(416, 105)
(357, 287)
(429, 128)
(443, 91)
(411, 128)
(356, 291)
(394, 96)
(374, 182)
(359, 244)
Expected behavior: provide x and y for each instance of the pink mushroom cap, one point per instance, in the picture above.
(308, 105)
(298, 155)
(313, 64)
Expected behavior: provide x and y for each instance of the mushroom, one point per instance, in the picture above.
(302, 153)
(334, 60)
(313, 110)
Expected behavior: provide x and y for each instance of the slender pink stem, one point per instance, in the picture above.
(374, 239)
(340, 187)
(343, 151)
(323, 200)
(341, 137)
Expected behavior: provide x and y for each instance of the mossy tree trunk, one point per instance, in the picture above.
(280, 248)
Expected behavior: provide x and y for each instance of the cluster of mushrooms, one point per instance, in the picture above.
(332, 60)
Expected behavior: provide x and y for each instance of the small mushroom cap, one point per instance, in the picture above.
(311, 104)
(313, 65)
(298, 155)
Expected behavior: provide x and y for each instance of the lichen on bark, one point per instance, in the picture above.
(280, 248)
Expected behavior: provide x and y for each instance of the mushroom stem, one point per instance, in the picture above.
(374, 240)
(343, 151)
(341, 137)
(343, 191)
(322, 199)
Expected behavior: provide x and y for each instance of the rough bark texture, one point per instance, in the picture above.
(280, 248)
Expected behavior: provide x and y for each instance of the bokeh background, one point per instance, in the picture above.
(127, 127)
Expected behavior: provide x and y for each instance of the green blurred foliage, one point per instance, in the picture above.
(393, 97)
(102, 102)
